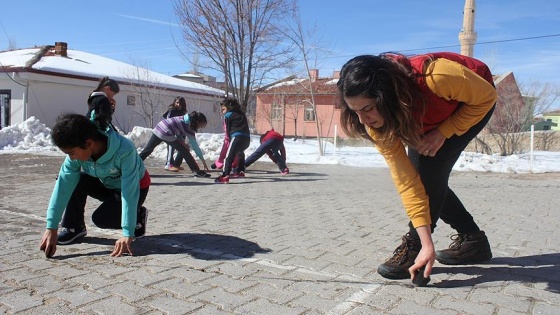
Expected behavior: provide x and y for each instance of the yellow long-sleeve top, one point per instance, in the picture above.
(452, 81)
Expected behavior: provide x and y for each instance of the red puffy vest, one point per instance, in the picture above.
(270, 135)
(437, 108)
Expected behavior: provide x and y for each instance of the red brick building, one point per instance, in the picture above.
(287, 106)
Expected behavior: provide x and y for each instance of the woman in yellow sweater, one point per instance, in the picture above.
(433, 105)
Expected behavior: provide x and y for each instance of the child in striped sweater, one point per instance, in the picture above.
(171, 130)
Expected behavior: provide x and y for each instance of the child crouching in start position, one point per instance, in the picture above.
(272, 143)
(104, 165)
(173, 131)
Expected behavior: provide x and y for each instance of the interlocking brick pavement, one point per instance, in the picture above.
(305, 243)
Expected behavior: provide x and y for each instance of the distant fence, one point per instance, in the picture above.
(543, 141)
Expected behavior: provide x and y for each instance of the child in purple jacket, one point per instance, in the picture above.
(171, 131)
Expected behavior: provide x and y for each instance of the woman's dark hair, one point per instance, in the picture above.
(230, 103)
(197, 120)
(112, 84)
(390, 80)
(182, 105)
(72, 130)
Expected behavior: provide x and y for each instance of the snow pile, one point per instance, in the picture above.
(30, 135)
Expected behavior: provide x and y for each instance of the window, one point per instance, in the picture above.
(309, 113)
(131, 100)
(276, 112)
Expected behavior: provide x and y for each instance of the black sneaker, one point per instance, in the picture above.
(465, 249)
(403, 258)
(140, 230)
(69, 235)
(201, 174)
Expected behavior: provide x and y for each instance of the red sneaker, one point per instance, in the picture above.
(222, 180)
(238, 174)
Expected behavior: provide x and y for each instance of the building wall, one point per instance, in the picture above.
(292, 102)
(290, 120)
(46, 97)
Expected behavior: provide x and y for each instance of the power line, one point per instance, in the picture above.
(488, 42)
(457, 45)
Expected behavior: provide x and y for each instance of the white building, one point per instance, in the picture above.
(51, 80)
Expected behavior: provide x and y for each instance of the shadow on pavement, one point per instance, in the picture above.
(70, 256)
(87, 240)
(206, 181)
(200, 246)
(543, 268)
(97, 240)
(277, 173)
(274, 177)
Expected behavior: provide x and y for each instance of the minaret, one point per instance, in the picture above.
(467, 36)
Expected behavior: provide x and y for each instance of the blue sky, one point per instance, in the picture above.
(146, 32)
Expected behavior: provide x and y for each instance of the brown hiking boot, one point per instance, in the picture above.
(466, 248)
(397, 266)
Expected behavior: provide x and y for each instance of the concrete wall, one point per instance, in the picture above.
(550, 138)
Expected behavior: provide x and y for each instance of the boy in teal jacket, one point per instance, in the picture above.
(105, 166)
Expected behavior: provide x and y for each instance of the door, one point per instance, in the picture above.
(5, 96)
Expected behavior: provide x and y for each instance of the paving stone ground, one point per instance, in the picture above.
(305, 243)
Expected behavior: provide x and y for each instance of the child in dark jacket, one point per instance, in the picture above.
(272, 143)
(237, 129)
(101, 102)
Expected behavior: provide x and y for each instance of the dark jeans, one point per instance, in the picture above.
(179, 145)
(175, 161)
(237, 148)
(434, 173)
(107, 216)
(271, 146)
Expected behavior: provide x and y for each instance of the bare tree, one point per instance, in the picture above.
(293, 109)
(195, 62)
(546, 139)
(150, 99)
(12, 44)
(266, 112)
(309, 51)
(510, 117)
(241, 38)
(481, 144)
(514, 115)
(541, 97)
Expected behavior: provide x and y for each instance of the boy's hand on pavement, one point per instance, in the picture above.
(123, 246)
(48, 242)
